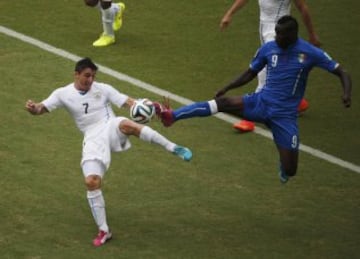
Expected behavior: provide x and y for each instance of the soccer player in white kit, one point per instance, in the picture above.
(89, 103)
(111, 19)
(270, 12)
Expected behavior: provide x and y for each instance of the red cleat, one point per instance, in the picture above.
(158, 108)
(161, 107)
(244, 126)
(167, 117)
(303, 106)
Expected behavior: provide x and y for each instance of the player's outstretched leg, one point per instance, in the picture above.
(147, 134)
(199, 109)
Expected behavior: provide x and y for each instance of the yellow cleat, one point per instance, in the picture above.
(104, 40)
(118, 17)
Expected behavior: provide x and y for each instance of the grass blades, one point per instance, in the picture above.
(227, 202)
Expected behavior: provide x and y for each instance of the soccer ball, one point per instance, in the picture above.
(142, 111)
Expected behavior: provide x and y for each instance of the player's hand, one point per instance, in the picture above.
(221, 92)
(31, 107)
(346, 100)
(225, 21)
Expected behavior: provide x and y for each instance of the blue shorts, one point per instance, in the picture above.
(284, 127)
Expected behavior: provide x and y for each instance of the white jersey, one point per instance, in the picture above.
(272, 10)
(89, 109)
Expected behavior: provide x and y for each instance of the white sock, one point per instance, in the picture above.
(149, 135)
(107, 17)
(97, 205)
(213, 106)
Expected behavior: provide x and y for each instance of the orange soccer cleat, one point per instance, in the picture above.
(303, 106)
(244, 126)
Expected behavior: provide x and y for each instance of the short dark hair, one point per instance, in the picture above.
(290, 22)
(85, 63)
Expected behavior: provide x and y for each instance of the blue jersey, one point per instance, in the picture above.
(287, 73)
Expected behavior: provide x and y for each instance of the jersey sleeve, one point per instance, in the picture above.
(53, 101)
(324, 61)
(115, 97)
(259, 60)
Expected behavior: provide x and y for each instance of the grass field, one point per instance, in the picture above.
(227, 202)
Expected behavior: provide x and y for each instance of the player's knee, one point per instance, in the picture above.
(91, 3)
(129, 127)
(93, 182)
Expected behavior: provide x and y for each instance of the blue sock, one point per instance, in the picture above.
(200, 109)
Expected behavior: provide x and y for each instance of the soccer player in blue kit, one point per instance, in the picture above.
(289, 60)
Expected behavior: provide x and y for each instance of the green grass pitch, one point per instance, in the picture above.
(227, 202)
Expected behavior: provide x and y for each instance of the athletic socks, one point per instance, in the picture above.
(97, 205)
(149, 135)
(199, 109)
(107, 17)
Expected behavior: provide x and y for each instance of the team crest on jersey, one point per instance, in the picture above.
(97, 95)
(301, 57)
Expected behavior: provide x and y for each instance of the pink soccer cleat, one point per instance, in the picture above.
(101, 238)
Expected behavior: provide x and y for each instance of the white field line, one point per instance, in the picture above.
(151, 88)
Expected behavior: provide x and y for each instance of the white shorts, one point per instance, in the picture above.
(100, 141)
(93, 167)
(267, 32)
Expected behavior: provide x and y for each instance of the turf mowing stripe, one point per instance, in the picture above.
(151, 88)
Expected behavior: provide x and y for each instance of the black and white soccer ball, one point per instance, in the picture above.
(142, 111)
